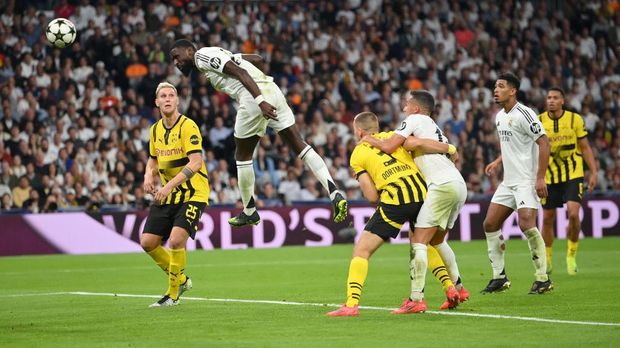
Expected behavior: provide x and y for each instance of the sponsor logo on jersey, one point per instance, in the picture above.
(194, 140)
(169, 152)
(215, 62)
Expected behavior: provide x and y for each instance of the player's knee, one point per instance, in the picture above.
(526, 224)
(573, 217)
(176, 243)
(490, 226)
(148, 244)
(243, 155)
(548, 221)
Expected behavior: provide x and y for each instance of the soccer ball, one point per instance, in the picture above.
(60, 32)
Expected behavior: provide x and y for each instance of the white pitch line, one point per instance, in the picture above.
(293, 303)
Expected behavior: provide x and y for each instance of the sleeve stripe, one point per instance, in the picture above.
(528, 117)
(357, 175)
(202, 58)
(192, 151)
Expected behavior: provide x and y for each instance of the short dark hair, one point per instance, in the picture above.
(557, 89)
(424, 99)
(183, 43)
(511, 78)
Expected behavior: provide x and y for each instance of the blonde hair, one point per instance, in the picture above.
(165, 84)
(367, 121)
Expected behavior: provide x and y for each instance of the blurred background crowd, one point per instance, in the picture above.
(74, 122)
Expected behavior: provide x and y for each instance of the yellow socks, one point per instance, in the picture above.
(438, 268)
(572, 248)
(358, 270)
(161, 257)
(176, 276)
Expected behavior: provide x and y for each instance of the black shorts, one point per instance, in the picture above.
(388, 219)
(571, 190)
(162, 218)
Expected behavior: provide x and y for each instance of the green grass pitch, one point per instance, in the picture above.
(84, 313)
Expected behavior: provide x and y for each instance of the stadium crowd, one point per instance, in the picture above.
(74, 122)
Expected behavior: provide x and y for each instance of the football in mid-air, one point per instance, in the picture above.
(60, 32)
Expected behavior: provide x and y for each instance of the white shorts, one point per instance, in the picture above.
(516, 197)
(250, 120)
(442, 205)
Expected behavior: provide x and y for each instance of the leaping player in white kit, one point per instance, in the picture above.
(261, 105)
(444, 199)
(525, 156)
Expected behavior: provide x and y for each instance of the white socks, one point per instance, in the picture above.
(449, 259)
(417, 269)
(318, 167)
(538, 252)
(496, 249)
(246, 179)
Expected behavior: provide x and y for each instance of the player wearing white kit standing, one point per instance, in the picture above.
(525, 155)
(261, 105)
(444, 199)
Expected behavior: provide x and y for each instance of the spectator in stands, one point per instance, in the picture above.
(363, 58)
(21, 192)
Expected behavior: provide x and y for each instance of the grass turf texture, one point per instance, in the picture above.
(311, 275)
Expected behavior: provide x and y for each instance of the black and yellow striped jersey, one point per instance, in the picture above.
(565, 160)
(171, 148)
(396, 176)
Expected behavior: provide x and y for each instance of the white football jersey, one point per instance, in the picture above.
(211, 61)
(436, 168)
(518, 131)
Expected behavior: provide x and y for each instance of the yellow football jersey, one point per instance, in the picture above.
(566, 160)
(171, 147)
(396, 176)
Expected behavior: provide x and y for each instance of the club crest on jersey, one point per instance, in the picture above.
(402, 126)
(194, 140)
(535, 128)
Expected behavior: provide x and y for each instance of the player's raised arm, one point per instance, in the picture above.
(234, 70)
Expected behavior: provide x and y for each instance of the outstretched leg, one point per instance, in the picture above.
(307, 154)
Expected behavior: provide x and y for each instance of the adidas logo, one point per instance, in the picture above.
(521, 203)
